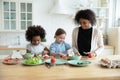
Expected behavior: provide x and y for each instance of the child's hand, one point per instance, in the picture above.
(77, 53)
(45, 52)
(63, 56)
(35, 55)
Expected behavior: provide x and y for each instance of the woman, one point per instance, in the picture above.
(86, 38)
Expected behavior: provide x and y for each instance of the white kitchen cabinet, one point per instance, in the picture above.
(16, 15)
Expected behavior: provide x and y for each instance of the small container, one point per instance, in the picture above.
(28, 55)
(75, 57)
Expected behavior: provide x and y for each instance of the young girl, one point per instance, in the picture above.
(60, 49)
(34, 34)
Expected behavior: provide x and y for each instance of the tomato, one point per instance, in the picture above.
(90, 55)
(6, 60)
(53, 60)
(46, 57)
(10, 59)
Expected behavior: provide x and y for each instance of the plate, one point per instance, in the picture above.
(58, 61)
(10, 63)
(79, 62)
(23, 62)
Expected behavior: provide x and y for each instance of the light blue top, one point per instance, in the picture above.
(59, 47)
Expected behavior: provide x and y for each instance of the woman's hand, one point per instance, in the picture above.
(77, 53)
(91, 54)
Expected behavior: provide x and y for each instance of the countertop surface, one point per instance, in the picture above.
(23, 48)
(60, 72)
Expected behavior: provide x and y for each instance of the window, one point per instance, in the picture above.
(17, 15)
(9, 15)
(115, 13)
(26, 15)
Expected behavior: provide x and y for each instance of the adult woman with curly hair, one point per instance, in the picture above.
(86, 38)
(34, 34)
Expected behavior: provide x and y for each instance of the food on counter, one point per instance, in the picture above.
(105, 60)
(53, 60)
(90, 55)
(11, 61)
(110, 63)
(45, 56)
(33, 60)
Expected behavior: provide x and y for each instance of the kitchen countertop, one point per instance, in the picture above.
(60, 72)
(23, 48)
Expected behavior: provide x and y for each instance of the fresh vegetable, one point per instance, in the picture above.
(53, 60)
(8, 59)
(90, 55)
(33, 60)
(11, 61)
(46, 57)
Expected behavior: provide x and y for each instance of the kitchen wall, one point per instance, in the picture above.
(12, 38)
(50, 21)
(42, 16)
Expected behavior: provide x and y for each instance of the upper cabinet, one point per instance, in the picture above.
(25, 15)
(16, 15)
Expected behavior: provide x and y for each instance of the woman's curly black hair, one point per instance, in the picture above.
(85, 14)
(35, 31)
